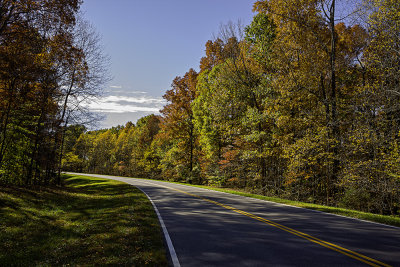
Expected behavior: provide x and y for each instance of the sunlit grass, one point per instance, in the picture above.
(90, 221)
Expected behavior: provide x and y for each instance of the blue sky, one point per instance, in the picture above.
(150, 42)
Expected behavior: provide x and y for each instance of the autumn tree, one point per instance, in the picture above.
(178, 123)
(371, 170)
(29, 85)
(231, 111)
(42, 59)
(310, 76)
(143, 154)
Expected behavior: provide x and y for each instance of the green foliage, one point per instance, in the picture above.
(261, 34)
(125, 150)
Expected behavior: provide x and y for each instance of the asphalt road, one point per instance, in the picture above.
(209, 228)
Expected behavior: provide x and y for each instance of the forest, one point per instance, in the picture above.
(302, 103)
(51, 62)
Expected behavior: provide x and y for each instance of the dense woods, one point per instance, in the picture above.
(50, 62)
(303, 103)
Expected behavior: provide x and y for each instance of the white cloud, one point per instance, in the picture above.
(125, 104)
(116, 86)
(132, 99)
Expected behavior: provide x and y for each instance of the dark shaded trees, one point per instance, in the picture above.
(42, 63)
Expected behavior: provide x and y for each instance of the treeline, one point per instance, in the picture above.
(50, 62)
(301, 105)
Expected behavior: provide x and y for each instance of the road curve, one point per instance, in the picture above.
(209, 228)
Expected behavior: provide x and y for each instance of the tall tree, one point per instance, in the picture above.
(308, 63)
(83, 72)
(42, 58)
(178, 120)
(371, 169)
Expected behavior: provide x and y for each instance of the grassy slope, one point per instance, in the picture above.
(90, 221)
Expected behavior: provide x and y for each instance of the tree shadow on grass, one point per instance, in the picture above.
(89, 222)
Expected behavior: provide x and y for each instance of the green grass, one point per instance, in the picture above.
(89, 221)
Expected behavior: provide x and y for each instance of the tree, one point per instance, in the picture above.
(178, 121)
(46, 61)
(310, 70)
(371, 172)
(147, 160)
(29, 84)
(231, 111)
(83, 72)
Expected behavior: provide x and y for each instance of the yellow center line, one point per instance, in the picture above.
(342, 250)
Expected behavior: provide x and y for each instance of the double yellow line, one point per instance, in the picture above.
(342, 250)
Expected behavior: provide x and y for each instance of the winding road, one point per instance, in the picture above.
(209, 228)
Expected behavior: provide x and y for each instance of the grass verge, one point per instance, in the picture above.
(89, 221)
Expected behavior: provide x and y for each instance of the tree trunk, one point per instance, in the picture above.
(333, 124)
(6, 121)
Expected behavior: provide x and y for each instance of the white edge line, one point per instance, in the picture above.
(171, 249)
(174, 257)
